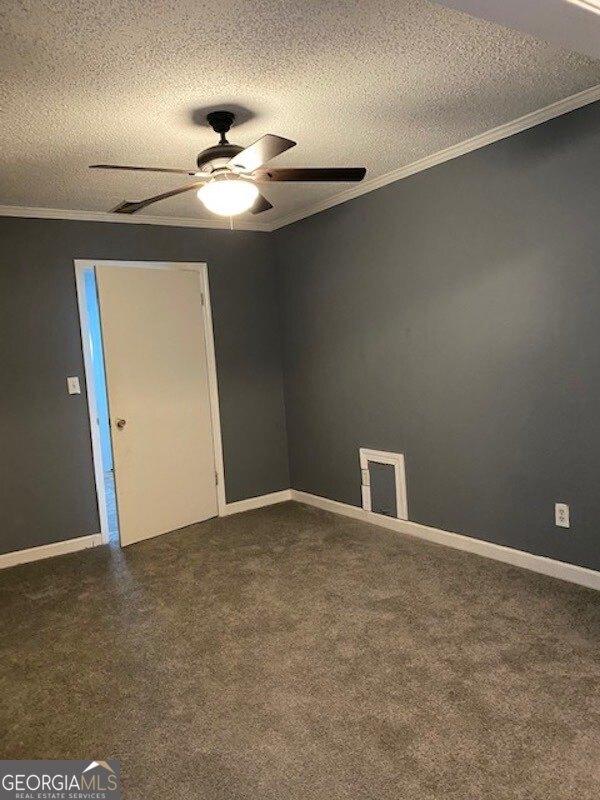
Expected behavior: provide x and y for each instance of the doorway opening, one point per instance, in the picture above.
(102, 420)
(148, 348)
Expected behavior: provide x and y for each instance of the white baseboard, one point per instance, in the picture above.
(546, 566)
(541, 564)
(257, 502)
(49, 550)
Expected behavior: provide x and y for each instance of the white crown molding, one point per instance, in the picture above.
(497, 552)
(588, 5)
(529, 120)
(127, 219)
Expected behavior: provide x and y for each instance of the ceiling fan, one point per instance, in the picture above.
(227, 174)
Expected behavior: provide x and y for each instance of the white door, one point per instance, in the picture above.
(158, 396)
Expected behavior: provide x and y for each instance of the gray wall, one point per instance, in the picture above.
(46, 482)
(455, 317)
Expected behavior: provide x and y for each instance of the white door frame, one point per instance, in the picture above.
(82, 265)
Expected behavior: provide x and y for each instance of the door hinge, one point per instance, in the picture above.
(202, 297)
(216, 478)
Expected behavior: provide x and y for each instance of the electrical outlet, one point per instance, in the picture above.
(561, 515)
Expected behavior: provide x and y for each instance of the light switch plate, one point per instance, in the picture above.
(73, 385)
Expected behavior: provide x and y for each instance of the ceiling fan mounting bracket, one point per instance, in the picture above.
(221, 122)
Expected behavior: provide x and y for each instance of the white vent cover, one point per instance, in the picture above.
(395, 460)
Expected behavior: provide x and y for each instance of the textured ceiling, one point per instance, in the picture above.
(378, 83)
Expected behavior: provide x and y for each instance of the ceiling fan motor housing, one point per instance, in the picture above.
(217, 156)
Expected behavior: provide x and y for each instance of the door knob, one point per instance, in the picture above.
(121, 424)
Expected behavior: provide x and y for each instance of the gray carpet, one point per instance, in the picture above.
(290, 653)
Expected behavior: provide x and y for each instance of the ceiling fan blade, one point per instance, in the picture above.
(309, 174)
(146, 169)
(127, 207)
(263, 150)
(261, 204)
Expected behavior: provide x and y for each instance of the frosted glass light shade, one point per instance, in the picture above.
(228, 197)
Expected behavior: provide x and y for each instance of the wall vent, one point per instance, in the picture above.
(383, 483)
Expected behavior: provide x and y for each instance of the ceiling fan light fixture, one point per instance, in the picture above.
(228, 196)
(232, 172)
